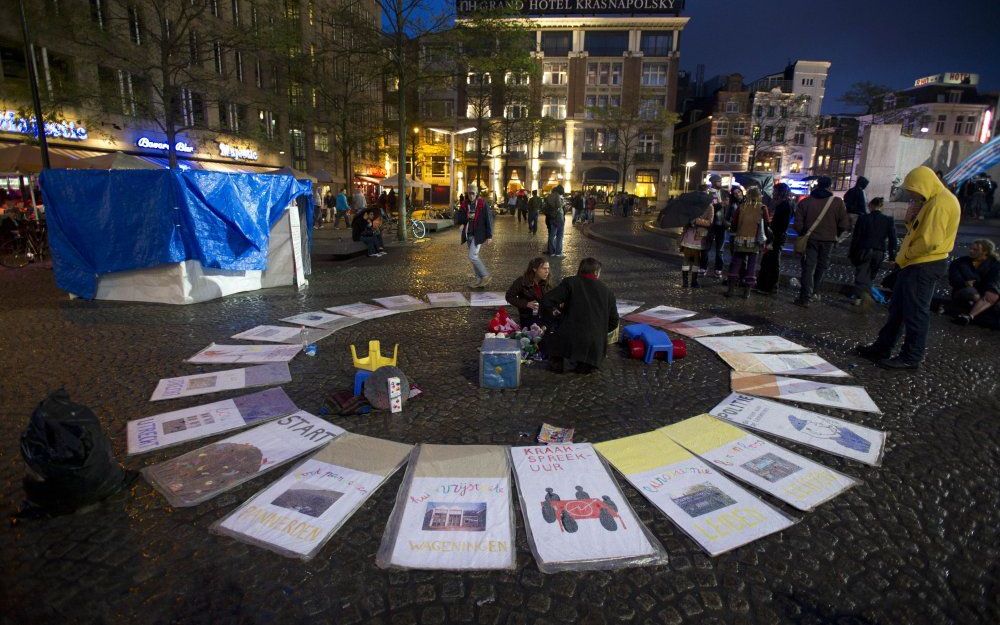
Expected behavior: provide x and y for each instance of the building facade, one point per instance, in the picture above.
(838, 144)
(943, 107)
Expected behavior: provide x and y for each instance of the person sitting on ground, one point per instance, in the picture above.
(589, 313)
(975, 280)
(366, 229)
(874, 236)
(528, 290)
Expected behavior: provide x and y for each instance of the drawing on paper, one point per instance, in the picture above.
(309, 501)
(701, 499)
(771, 467)
(200, 383)
(582, 507)
(831, 431)
(455, 517)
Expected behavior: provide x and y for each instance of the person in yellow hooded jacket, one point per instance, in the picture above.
(932, 225)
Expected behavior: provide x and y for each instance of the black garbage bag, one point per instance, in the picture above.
(69, 459)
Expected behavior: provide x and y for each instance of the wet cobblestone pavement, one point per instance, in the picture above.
(917, 542)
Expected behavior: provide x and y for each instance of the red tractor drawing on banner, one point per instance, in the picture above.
(569, 511)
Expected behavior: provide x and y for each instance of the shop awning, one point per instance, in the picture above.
(75, 153)
(367, 179)
(600, 174)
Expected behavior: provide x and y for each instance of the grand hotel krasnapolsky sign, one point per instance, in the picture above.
(558, 8)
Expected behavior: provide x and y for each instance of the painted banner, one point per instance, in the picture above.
(660, 315)
(231, 379)
(788, 476)
(447, 300)
(626, 306)
(787, 364)
(283, 334)
(362, 310)
(296, 515)
(402, 303)
(831, 435)
(487, 298)
(805, 391)
(453, 511)
(575, 514)
(715, 512)
(188, 424)
(322, 320)
(751, 344)
(224, 354)
(199, 475)
(705, 327)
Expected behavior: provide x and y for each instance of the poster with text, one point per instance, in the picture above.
(787, 364)
(284, 334)
(805, 391)
(188, 424)
(626, 306)
(788, 476)
(199, 475)
(362, 310)
(453, 511)
(660, 315)
(751, 344)
(296, 515)
(216, 354)
(215, 381)
(707, 506)
(575, 514)
(451, 299)
(322, 320)
(487, 298)
(831, 435)
(705, 327)
(402, 303)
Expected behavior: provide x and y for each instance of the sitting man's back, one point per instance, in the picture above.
(589, 312)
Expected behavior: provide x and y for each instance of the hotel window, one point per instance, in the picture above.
(439, 166)
(654, 74)
(438, 109)
(735, 154)
(515, 111)
(557, 43)
(954, 97)
(215, 7)
(779, 134)
(321, 139)
(258, 75)
(555, 73)
(134, 25)
(220, 58)
(721, 128)
(740, 128)
(238, 64)
(940, 124)
(236, 12)
(807, 82)
(604, 73)
(97, 13)
(605, 42)
(194, 49)
(959, 122)
(649, 108)
(267, 123)
(645, 183)
(295, 94)
(517, 78)
(598, 140)
(232, 117)
(720, 155)
(732, 106)
(603, 101)
(657, 42)
(649, 143)
(970, 124)
(254, 22)
(474, 78)
(554, 142)
(191, 108)
(554, 107)
(477, 110)
(298, 149)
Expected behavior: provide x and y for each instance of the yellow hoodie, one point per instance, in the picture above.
(931, 235)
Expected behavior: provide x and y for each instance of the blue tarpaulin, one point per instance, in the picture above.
(105, 221)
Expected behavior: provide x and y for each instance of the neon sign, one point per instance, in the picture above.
(149, 144)
(239, 154)
(10, 121)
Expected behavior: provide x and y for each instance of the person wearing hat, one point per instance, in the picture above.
(821, 218)
(477, 232)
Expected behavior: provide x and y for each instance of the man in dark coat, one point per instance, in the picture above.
(589, 312)
(856, 201)
(874, 236)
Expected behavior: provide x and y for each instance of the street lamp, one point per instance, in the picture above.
(452, 134)
(687, 171)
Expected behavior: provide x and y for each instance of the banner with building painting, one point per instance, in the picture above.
(775, 470)
(714, 511)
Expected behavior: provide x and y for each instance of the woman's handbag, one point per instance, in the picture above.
(802, 241)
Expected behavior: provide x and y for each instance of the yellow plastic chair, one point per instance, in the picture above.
(374, 359)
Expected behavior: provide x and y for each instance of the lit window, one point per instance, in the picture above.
(555, 73)
(721, 128)
(554, 107)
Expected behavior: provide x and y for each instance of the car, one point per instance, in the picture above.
(568, 511)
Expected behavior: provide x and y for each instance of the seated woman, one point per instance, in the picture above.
(527, 291)
(975, 280)
(368, 232)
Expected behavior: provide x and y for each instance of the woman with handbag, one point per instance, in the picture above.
(694, 240)
(750, 234)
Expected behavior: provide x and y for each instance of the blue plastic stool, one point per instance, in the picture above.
(657, 341)
(635, 331)
(359, 380)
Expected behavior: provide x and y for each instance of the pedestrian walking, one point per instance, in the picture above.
(590, 208)
(694, 242)
(577, 207)
(922, 261)
(856, 201)
(522, 206)
(588, 312)
(536, 205)
(340, 208)
(820, 219)
(555, 221)
(477, 232)
(874, 236)
(750, 234)
(770, 262)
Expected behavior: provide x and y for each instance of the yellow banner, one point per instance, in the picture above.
(642, 452)
(702, 433)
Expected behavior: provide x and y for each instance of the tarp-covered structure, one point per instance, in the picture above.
(175, 236)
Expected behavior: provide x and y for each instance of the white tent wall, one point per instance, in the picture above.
(188, 282)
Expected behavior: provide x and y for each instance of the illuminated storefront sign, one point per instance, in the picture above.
(10, 121)
(556, 8)
(162, 146)
(239, 154)
(949, 78)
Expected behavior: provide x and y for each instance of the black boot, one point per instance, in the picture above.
(684, 279)
(729, 290)
(694, 280)
(746, 292)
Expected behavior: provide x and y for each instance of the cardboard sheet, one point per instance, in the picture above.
(786, 364)
(283, 334)
(216, 381)
(488, 298)
(705, 327)
(751, 344)
(707, 506)
(322, 320)
(788, 476)
(447, 300)
(226, 354)
(660, 315)
(805, 391)
(362, 310)
(626, 306)
(401, 303)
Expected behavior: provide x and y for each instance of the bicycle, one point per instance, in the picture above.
(29, 244)
(417, 227)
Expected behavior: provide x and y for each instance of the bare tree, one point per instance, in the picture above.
(866, 95)
(773, 133)
(625, 127)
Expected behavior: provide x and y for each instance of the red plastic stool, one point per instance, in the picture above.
(680, 348)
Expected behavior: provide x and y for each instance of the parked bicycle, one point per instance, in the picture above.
(29, 244)
(391, 225)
